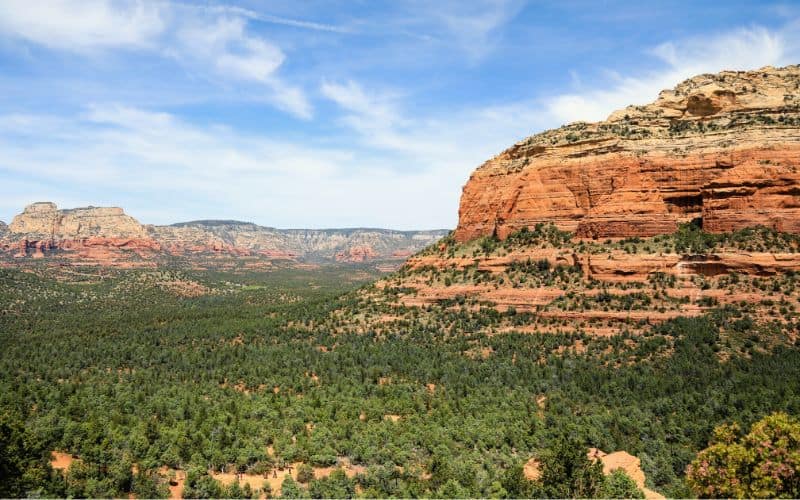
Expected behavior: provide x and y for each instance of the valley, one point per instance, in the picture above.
(615, 315)
(247, 373)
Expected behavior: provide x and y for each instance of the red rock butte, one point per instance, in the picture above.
(108, 236)
(722, 147)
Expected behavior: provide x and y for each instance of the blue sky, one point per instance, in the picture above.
(329, 114)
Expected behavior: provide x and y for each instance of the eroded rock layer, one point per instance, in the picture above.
(722, 147)
(107, 236)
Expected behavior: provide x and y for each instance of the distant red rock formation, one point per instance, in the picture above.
(107, 236)
(356, 254)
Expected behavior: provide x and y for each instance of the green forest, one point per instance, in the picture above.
(141, 374)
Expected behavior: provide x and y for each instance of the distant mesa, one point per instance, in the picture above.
(721, 147)
(108, 236)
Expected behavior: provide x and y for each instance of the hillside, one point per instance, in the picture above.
(108, 236)
(676, 208)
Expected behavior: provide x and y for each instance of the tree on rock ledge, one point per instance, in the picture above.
(765, 463)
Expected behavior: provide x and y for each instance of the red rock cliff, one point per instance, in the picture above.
(724, 147)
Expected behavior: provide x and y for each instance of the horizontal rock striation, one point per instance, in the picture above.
(722, 147)
(42, 229)
(106, 235)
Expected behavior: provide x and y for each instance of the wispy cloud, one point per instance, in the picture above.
(82, 25)
(225, 46)
(382, 149)
(149, 158)
(471, 28)
(284, 21)
(211, 41)
(741, 49)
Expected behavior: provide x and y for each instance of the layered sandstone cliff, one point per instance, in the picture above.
(46, 220)
(722, 147)
(106, 235)
(721, 151)
(93, 233)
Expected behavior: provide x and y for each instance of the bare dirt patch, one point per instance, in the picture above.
(177, 481)
(532, 470)
(60, 460)
(628, 463)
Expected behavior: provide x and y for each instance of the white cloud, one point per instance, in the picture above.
(367, 113)
(295, 23)
(399, 167)
(214, 42)
(225, 45)
(132, 152)
(741, 49)
(82, 25)
(447, 146)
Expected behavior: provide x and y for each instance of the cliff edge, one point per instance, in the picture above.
(722, 147)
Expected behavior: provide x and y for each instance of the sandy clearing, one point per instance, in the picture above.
(60, 460)
(276, 476)
(177, 481)
(627, 462)
(611, 461)
(532, 470)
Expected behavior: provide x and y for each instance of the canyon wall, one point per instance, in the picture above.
(722, 147)
(106, 235)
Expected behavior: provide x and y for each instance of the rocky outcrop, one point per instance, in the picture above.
(42, 229)
(46, 221)
(356, 254)
(106, 235)
(318, 245)
(722, 147)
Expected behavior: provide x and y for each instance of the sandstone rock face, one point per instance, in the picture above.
(46, 221)
(344, 245)
(723, 147)
(107, 236)
(42, 228)
(356, 254)
(36, 219)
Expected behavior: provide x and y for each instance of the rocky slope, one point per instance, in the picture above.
(670, 209)
(722, 147)
(106, 235)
